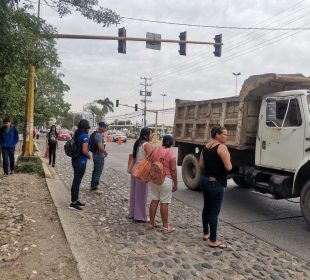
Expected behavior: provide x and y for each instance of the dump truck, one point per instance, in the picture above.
(268, 127)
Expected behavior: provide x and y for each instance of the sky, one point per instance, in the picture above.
(95, 69)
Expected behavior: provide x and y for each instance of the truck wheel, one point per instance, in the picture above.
(191, 172)
(240, 182)
(305, 202)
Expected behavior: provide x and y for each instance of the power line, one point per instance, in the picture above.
(198, 56)
(243, 43)
(202, 65)
(218, 26)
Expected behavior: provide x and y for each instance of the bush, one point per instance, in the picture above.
(29, 165)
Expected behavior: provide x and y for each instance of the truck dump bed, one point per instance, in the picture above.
(194, 119)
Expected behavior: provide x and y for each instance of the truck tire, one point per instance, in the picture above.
(191, 172)
(305, 202)
(240, 182)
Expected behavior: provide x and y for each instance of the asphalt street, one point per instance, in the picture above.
(278, 222)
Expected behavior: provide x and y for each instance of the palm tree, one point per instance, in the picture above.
(96, 113)
(107, 106)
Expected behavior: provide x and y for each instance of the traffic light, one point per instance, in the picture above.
(136, 107)
(122, 43)
(218, 48)
(182, 37)
(117, 103)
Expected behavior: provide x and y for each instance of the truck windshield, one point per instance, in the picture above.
(308, 99)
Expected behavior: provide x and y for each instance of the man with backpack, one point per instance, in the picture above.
(97, 147)
(8, 139)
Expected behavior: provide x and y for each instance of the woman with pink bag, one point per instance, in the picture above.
(163, 193)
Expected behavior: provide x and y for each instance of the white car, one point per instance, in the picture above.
(116, 135)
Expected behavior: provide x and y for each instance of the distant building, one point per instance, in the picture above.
(86, 114)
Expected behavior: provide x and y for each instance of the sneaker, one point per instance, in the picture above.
(79, 203)
(76, 207)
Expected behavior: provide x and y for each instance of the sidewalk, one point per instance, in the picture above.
(136, 253)
(32, 242)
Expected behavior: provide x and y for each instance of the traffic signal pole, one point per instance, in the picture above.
(29, 115)
(115, 38)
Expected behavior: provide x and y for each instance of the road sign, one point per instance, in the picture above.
(153, 45)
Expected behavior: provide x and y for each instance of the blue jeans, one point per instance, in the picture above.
(213, 194)
(79, 170)
(8, 159)
(98, 167)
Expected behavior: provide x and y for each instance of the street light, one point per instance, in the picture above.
(236, 75)
(162, 126)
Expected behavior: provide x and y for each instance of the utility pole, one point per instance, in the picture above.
(28, 128)
(162, 126)
(145, 93)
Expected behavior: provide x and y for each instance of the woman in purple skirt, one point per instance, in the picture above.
(139, 189)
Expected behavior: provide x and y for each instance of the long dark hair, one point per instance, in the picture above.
(51, 130)
(144, 136)
(83, 126)
(217, 130)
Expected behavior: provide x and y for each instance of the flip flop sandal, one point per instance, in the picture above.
(150, 227)
(206, 237)
(219, 245)
(168, 230)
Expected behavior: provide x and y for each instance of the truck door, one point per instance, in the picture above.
(283, 133)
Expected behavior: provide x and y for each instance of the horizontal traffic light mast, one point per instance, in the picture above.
(98, 37)
(122, 39)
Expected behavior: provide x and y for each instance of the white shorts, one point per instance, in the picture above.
(162, 193)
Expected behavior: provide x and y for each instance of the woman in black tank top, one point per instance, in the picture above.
(215, 161)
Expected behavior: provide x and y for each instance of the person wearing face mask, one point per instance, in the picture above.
(215, 162)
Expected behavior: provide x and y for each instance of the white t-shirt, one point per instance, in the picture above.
(141, 154)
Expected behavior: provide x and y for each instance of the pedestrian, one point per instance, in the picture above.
(163, 193)
(215, 162)
(52, 144)
(8, 139)
(97, 147)
(139, 189)
(79, 162)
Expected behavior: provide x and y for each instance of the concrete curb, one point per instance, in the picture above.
(47, 173)
(88, 248)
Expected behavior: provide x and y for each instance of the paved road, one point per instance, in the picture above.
(278, 222)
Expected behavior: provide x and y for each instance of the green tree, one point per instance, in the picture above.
(19, 46)
(96, 112)
(88, 8)
(107, 106)
(69, 120)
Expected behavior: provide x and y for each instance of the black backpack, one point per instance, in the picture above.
(71, 148)
(93, 145)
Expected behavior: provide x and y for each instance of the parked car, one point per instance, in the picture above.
(116, 135)
(64, 135)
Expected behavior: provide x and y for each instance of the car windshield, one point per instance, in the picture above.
(308, 100)
(63, 131)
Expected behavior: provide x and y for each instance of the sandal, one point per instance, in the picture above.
(206, 237)
(150, 226)
(168, 229)
(218, 245)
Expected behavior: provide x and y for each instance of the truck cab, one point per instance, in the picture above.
(284, 124)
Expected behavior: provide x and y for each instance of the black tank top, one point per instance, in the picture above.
(214, 166)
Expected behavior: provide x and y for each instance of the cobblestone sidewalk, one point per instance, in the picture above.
(144, 254)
